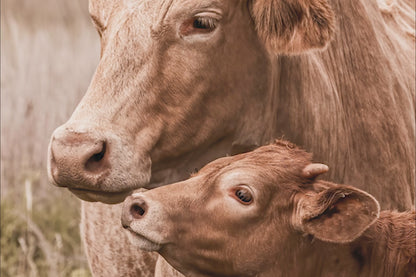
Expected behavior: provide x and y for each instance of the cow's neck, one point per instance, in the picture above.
(347, 104)
(308, 257)
(386, 248)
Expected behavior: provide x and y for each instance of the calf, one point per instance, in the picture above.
(264, 213)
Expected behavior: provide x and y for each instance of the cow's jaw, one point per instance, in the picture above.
(167, 172)
(100, 196)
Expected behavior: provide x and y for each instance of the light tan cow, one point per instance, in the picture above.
(182, 82)
(264, 213)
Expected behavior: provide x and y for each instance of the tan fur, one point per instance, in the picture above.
(166, 103)
(164, 269)
(108, 250)
(295, 226)
(290, 27)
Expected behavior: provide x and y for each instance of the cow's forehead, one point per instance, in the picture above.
(158, 5)
(153, 14)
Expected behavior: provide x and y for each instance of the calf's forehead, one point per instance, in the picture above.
(266, 158)
(267, 166)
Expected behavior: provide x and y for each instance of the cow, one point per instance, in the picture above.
(183, 82)
(265, 213)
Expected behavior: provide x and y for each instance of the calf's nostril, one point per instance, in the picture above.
(137, 211)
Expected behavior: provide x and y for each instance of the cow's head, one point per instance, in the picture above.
(238, 212)
(179, 83)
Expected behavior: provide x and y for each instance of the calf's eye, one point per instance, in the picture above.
(244, 196)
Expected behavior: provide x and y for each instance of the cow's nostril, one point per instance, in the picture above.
(97, 161)
(137, 211)
(99, 156)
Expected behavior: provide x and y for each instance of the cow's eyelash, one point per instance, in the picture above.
(204, 23)
(198, 25)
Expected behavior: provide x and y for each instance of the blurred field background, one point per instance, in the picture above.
(49, 51)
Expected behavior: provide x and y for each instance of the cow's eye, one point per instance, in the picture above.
(244, 196)
(198, 25)
(204, 24)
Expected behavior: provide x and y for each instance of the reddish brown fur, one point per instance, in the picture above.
(298, 226)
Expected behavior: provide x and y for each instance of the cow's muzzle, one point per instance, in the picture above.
(78, 159)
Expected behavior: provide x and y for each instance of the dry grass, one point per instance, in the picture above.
(48, 53)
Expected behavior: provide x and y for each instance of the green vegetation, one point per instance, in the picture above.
(44, 241)
(49, 51)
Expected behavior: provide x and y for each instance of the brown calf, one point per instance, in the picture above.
(264, 213)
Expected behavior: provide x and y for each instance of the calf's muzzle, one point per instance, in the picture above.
(134, 208)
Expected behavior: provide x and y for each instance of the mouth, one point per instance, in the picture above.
(100, 196)
(142, 242)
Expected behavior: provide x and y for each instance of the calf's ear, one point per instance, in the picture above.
(337, 214)
(293, 26)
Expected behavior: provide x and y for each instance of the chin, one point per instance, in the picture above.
(98, 196)
(142, 242)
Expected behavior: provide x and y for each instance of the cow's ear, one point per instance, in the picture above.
(336, 214)
(100, 11)
(293, 26)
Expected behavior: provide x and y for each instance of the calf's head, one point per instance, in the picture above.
(176, 79)
(247, 214)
